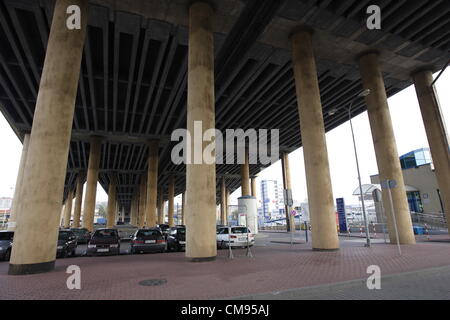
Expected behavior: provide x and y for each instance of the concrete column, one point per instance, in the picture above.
(134, 210)
(227, 203)
(142, 200)
(91, 183)
(386, 148)
(161, 208)
(152, 184)
(78, 200)
(223, 202)
(46, 163)
(171, 197)
(245, 177)
(253, 186)
(436, 133)
(200, 178)
(16, 198)
(183, 206)
(320, 194)
(68, 210)
(111, 209)
(290, 221)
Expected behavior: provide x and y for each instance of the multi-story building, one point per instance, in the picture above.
(272, 200)
(5, 211)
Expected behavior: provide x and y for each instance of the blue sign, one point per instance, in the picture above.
(340, 205)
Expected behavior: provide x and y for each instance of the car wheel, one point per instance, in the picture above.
(73, 253)
(64, 255)
(8, 255)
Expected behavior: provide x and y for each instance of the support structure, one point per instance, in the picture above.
(320, 194)
(112, 196)
(245, 176)
(223, 202)
(16, 198)
(46, 164)
(171, 197)
(152, 185)
(290, 220)
(142, 200)
(78, 200)
(385, 148)
(183, 205)
(68, 210)
(200, 205)
(134, 210)
(91, 183)
(436, 133)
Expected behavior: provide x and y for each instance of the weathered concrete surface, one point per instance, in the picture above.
(46, 164)
(152, 185)
(386, 148)
(436, 133)
(320, 194)
(91, 183)
(200, 178)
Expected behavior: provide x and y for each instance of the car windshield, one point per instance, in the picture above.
(239, 230)
(6, 235)
(181, 231)
(105, 234)
(148, 233)
(63, 235)
(79, 231)
(164, 227)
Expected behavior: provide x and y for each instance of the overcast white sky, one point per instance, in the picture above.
(408, 128)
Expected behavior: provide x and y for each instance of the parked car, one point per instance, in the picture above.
(83, 235)
(104, 242)
(176, 238)
(148, 240)
(237, 236)
(67, 244)
(164, 228)
(6, 240)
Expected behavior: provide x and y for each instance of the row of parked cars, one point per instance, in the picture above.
(106, 241)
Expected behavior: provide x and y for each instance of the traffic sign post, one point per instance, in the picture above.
(391, 184)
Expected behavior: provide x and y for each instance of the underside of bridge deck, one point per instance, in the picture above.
(133, 82)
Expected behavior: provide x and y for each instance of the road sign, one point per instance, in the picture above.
(388, 184)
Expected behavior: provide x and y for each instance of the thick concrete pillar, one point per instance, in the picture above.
(320, 194)
(290, 221)
(385, 148)
(16, 198)
(161, 208)
(68, 210)
(111, 209)
(152, 184)
(78, 200)
(436, 133)
(46, 163)
(142, 200)
(171, 197)
(200, 178)
(223, 202)
(91, 183)
(245, 176)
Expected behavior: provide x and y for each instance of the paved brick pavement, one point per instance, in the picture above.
(275, 267)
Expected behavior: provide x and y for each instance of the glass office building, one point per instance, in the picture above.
(416, 158)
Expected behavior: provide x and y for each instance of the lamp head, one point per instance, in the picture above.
(364, 93)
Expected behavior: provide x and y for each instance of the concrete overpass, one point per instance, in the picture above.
(101, 103)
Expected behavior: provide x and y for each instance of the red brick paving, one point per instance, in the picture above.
(274, 267)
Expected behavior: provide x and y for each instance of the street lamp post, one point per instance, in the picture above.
(364, 93)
